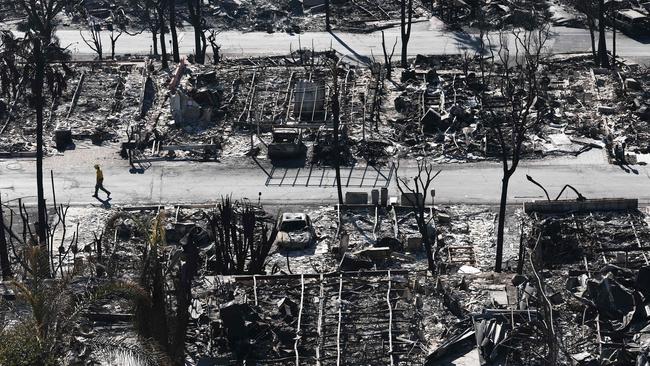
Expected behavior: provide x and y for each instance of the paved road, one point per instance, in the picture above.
(428, 37)
(190, 182)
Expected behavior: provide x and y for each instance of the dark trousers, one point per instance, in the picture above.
(100, 185)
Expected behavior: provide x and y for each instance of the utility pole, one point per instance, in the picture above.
(602, 46)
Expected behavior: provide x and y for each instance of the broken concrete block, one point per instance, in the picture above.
(604, 109)
(356, 198)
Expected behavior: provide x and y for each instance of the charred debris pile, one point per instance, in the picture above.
(432, 109)
(96, 103)
(438, 106)
(227, 283)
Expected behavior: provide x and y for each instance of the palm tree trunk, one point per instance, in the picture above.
(37, 91)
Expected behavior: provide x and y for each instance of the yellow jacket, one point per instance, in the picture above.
(99, 174)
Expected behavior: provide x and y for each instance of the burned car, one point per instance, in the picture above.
(287, 144)
(295, 231)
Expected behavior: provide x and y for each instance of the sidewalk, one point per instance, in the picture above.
(193, 182)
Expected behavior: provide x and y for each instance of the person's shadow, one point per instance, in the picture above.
(627, 168)
(136, 170)
(105, 203)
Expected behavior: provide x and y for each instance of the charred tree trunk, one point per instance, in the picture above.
(502, 220)
(198, 57)
(388, 59)
(154, 36)
(113, 41)
(328, 27)
(172, 30)
(194, 9)
(406, 19)
(163, 46)
(4, 252)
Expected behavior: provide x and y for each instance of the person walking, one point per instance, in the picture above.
(99, 182)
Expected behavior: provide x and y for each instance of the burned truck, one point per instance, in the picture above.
(286, 144)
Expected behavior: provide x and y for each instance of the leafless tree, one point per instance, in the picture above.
(421, 185)
(466, 58)
(406, 20)
(388, 59)
(145, 10)
(94, 39)
(519, 87)
(212, 38)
